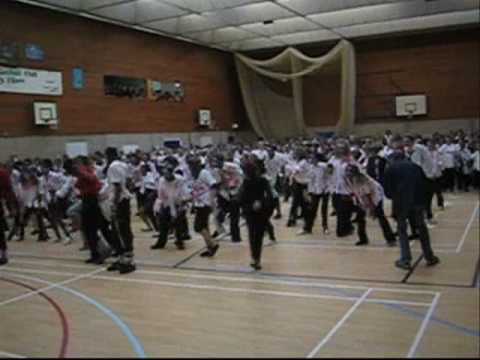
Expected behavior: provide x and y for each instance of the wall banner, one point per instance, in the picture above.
(30, 81)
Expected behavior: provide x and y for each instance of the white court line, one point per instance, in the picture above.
(360, 248)
(53, 286)
(467, 229)
(423, 327)
(243, 279)
(13, 356)
(226, 289)
(339, 324)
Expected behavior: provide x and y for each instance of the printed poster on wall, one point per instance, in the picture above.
(30, 81)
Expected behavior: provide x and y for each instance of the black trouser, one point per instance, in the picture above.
(233, 208)
(476, 179)
(150, 197)
(463, 181)
(434, 188)
(269, 212)
(298, 202)
(361, 221)
(344, 208)
(256, 224)
(449, 179)
(122, 236)
(39, 215)
(312, 209)
(384, 224)
(56, 212)
(416, 213)
(3, 242)
(91, 218)
(166, 222)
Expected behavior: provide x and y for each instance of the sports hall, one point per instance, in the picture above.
(134, 95)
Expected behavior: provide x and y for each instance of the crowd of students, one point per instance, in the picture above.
(348, 177)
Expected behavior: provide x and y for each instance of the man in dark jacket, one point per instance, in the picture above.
(404, 184)
(7, 194)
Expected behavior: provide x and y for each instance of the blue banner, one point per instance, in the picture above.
(34, 52)
(78, 78)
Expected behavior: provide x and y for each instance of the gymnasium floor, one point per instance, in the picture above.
(316, 296)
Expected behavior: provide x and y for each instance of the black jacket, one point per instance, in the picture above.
(256, 189)
(404, 184)
(376, 168)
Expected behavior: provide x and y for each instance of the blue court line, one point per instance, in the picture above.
(137, 346)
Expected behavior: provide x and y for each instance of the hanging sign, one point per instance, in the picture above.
(34, 52)
(8, 53)
(30, 81)
(78, 78)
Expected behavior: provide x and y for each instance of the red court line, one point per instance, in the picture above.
(58, 309)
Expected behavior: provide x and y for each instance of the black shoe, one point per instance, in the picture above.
(362, 243)
(91, 260)
(114, 266)
(186, 237)
(354, 221)
(405, 265)
(274, 239)
(333, 213)
(115, 254)
(214, 250)
(127, 268)
(277, 216)
(433, 261)
(157, 246)
(291, 223)
(3, 261)
(215, 234)
(391, 243)
(236, 240)
(180, 245)
(210, 252)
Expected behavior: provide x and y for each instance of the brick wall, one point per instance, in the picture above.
(208, 76)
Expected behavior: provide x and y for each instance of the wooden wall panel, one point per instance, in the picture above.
(208, 76)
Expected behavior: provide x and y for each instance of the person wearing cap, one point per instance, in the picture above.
(118, 176)
(405, 186)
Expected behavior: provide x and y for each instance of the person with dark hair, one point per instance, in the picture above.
(170, 207)
(256, 199)
(369, 197)
(320, 179)
(405, 186)
(118, 177)
(89, 187)
(202, 183)
(6, 194)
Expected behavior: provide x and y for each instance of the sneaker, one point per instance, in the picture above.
(414, 237)
(405, 265)
(210, 252)
(432, 222)
(127, 268)
(3, 260)
(391, 243)
(91, 260)
(303, 232)
(291, 223)
(180, 245)
(326, 232)
(433, 261)
(277, 216)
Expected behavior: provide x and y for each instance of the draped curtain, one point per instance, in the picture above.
(273, 90)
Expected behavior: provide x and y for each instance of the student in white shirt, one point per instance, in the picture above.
(449, 151)
(170, 207)
(118, 177)
(202, 184)
(318, 190)
(299, 187)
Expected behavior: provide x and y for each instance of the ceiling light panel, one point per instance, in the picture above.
(306, 7)
(189, 23)
(200, 6)
(228, 34)
(124, 12)
(281, 26)
(307, 37)
(259, 43)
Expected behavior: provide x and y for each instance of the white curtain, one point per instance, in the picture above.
(272, 89)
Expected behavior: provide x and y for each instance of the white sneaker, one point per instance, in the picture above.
(303, 232)
(432, 222)
(326, 232)
(430, 226)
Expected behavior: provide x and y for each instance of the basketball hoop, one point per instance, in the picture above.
(410, 109)
(54, 126)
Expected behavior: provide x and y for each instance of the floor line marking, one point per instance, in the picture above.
(52, 286)
(348, 247)
(61, 314)
(245, 279)
(339, 324)
(467, 229)
(228, 289)
(423, 327)
(10, 355)
(136, 344)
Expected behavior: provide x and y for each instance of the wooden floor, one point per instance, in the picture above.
(317, 296)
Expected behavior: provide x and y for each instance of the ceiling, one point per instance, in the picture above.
(244, 25)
